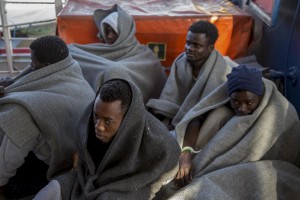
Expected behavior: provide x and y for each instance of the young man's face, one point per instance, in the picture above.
(35, 64)
(196, 47)
(110, 35)
(244, 102)
(107, 119)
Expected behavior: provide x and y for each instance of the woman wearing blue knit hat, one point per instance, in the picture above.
(244, 133)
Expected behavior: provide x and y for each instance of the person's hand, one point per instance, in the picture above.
(184, 175)
(6, 81)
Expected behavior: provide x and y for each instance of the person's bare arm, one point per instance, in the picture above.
(192, 131)
(183, 176)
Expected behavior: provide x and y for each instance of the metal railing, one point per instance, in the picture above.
(10, 56)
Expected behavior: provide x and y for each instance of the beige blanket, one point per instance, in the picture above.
(180, 94)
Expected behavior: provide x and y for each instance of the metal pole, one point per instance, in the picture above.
(58, 6)
(7, 37)
(35, 22)
(29, 2)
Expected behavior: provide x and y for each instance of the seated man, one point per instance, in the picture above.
(194, 74)
(120, 56)
(124, 153)
(265, 127)
(37, 116)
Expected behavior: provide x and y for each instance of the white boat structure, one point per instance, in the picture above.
(22, 22)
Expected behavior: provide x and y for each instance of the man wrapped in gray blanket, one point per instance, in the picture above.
(124, 152)
(120, 55)
(38, 113)
(227, 137)
(194, 74)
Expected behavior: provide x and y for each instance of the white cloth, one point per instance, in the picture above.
(112, 20)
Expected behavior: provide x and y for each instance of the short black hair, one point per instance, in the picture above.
(49, 49)
(209, 29)
(115, 90)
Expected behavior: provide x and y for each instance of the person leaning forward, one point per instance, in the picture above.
(124, 152)
(37, 115)
(194, 74)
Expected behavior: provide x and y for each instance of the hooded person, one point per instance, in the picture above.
(120, 56)
(37, 115)
(124, 152)
(264, 126)
(109, 28)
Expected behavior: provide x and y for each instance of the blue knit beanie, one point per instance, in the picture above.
(245, 78)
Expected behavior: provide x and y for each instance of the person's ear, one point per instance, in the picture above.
(211, 47)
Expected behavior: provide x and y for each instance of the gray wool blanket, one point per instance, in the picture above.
(53, 99)
(259, 180)
(140, 159)
(270, 133)
(126, 58)
(180, 94)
